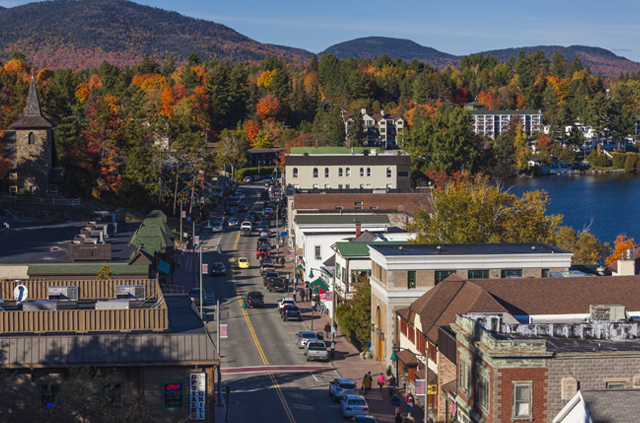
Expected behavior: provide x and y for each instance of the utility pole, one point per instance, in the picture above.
(200, 269)
(180, 221)
(193, 241)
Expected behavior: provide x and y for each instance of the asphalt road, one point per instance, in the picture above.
(269, 376)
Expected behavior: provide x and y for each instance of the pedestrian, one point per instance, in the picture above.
(295, 295)
(398, 417)
(366, 384)
(313, 304)
(408, 400)
(395, 401)
(327, 329)
(392, 385)
(282, 261)
(302, 295)
(381, 381)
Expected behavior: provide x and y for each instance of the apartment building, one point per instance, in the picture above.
(380, 129)
(492, 123)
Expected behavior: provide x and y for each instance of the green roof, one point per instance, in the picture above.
(344, 219)
(333, 150)
(359, 249)
(86, 269)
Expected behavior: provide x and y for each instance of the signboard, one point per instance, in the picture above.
(197, 386)
(172, 396)
(224, 331)
(433, 390)
(205, 268)
(197, 239)
(20, 293)
(184, 214)
(188, 218)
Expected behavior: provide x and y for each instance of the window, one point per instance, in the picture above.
(13, 190)
(403, 174)
(411, 279)
(316, 186)
(347, 186)
(340, 172)
(317, 252)
(315, 172)
(347, 171)
(358, 203)
(373, 207)
(465, 376)
(412, 335)
(172, 396)
(339, 186)
(358, 207)
(13, 176)
(368, 172)
(32, 138)
(295, 172)
(344, 275)
(616, 385)
(389, 186)
(362, 171)
(112, 394)
(442, 275)
(388, 172)
(522, 399)
(483, 392)
(509, 273)
(33, 189)
(49, 394)
(478, 274)
(327, 186)
(338, 208)
(403, 326)
(545, 273)
(326, 172)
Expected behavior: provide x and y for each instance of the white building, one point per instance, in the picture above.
(494, 122)
(380, 129)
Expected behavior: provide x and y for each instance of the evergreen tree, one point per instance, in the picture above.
(169, 67)
(104, 274)
(313, 64)
(147, 65)
(356, 130)
(336, 127)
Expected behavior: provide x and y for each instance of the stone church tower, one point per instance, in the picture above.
(33, 149)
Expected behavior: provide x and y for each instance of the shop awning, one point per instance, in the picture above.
(408, 358)
(318, 285)
(298, 267)
(163, 267)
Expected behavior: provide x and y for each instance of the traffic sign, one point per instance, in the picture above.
(20, 294)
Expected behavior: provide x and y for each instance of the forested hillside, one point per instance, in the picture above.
(80, 34)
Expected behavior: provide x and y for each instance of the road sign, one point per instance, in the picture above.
(224, 331)
(197, 239)
(433, 389)
(205, 268)
(20, 294)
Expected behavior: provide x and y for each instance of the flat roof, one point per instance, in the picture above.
(40, 243)
(335, 219)
(334, 150)
(465, 249)
(358, 248)
(86, 269)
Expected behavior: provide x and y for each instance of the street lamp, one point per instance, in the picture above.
(394, 357)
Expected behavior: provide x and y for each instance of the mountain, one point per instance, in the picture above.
(598, 59)
(394, 47)
(80, 34)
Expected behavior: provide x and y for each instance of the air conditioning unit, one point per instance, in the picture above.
(63, 293)
(40, 306)
(130, 292)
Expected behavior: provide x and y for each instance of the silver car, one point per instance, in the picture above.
(216, 227)
(354, 405)
(341, 387)
(305, 336)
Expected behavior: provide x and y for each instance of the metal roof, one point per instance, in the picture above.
(332, 150)
(86, 269)
(333, 219)
(359, 249)
(465, 249)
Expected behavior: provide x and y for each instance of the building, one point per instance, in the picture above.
(152, 346)
(31, 147)
(380, 129)
(400, 274)
(338, 167)
(262, 157)
(492, 123)
(601, 406)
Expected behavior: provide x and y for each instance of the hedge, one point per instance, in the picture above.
(250, 171)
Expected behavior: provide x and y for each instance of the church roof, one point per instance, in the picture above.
(32, 117)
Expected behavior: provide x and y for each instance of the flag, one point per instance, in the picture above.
(224, 331)
(420, 387)
(454, 408)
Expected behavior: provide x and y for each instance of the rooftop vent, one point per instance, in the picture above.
(130, 292)
(63, 293)
(608, 313)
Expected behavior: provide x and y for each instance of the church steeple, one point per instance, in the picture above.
(32, 117)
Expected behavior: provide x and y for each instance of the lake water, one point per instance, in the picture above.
(610, 202)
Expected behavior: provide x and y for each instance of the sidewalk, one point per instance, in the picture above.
(349, 364)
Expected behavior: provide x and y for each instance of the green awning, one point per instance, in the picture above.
(298, 267)
(317, 285)
(163, 267)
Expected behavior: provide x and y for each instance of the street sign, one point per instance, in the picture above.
(197, 240)
(188, 218)
(433, 389)
(20, 294)
(224, 331)
(205, 268)
(197, 387)
(184, 214)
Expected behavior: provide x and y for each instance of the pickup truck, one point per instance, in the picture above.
(316, 350)
(277, 285)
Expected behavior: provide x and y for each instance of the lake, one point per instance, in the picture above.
(608, 202)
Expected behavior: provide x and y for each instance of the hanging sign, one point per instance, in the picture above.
(197, 386)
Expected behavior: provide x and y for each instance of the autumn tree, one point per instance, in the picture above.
(104, 274)
(586, 248)
(619, 248)
(268, 107)
(5, 162)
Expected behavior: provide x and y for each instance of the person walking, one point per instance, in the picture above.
(408, 400)
(366, 384)
(395, 401)
(302, 295)
(295, 295)
(381, 381)
(313, 304)
(392, 385)
(327, 329)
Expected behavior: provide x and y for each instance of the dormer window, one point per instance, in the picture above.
(32, 138)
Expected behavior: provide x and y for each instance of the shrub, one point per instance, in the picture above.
(630, 162)
(619, 160)
(595, 159)
(250, 171)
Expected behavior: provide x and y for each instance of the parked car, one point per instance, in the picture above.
(247, 179)
(316, 350)
(284, 301)
(217, 269)
(228, 211)
(276, 285)
(263, 240)
(242, 263)
(217, 226)
(242, 208)
(291, 311)
(263, 252)
(266, 266)
(255, 299)
(354, 405)
(194, 294)
(269, 275)
(305, 336)
(233, 221)
(341, 387)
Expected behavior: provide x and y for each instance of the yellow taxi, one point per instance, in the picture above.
(242, 263)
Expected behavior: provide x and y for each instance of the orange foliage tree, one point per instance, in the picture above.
(199, 103)
(268, 107)
(82, 92)
(251, 129)
(149, 80)
(302, 140)
(5, 163)
(167, 101)
(620, 247)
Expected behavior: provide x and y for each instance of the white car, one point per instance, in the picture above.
(341, 387)
(246, 225)
(284, 301)
(233, 221)
(354, 405)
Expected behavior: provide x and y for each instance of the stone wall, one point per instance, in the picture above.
(33, 161)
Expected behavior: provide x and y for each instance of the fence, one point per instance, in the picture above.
(5, 198)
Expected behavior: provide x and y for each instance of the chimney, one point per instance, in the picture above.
(358, 229)
(363, 111)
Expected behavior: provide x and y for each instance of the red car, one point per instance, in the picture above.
(262, 252)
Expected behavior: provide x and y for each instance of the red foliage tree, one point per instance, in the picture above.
(268, 107)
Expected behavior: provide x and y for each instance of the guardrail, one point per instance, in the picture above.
(5, 198)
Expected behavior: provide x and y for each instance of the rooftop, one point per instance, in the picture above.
(466, 249)
(332, 219)
(359, 249)
(334, 150)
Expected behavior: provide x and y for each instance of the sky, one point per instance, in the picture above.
(457, 27)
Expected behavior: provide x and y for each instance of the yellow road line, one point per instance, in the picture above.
(287, 410)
